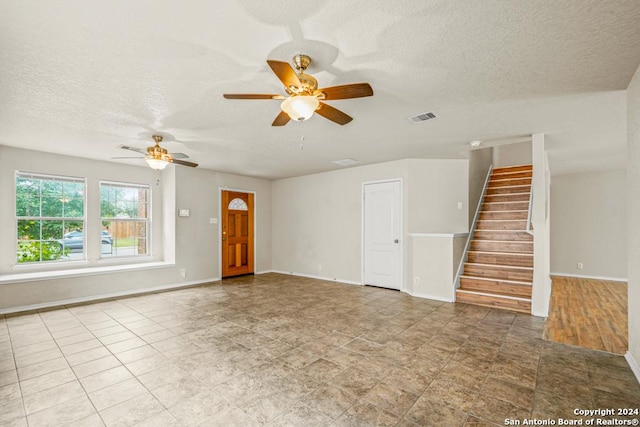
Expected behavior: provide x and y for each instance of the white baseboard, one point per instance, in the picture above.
(59, 303)
(429, 296)
(313, 276)
(633, 365)
(583, 276)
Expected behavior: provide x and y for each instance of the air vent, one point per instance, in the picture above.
(419, 118)
(346, 162)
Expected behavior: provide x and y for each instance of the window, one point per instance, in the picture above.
(238, 205)
(124, 212)
(50, 218)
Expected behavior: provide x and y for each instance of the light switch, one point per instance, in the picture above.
(459, 205)
(183, 212)
(213, 220)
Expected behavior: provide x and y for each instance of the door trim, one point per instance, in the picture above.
(255, 226)
(402, 233)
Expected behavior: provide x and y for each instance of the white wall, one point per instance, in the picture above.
(512, 154)
(317, 219)
(540, 218)
(479, 163)
(589, 224)
(196, 244)
(633, 220)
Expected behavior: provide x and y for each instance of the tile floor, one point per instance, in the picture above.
(286, 351)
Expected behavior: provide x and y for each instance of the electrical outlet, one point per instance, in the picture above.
(579, 266)
(416, 280)
(319, 267)
(183, 273)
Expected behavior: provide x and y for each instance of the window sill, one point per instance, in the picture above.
(80, 272)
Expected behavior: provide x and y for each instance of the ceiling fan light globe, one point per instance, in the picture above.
(300, 107)
(156, 164)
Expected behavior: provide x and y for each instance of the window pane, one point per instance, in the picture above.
(52, 230)
(28, 229)
(51, 188)
(52, 207)
(28, 251)
(73, 207)
(124, 238)
(238, 205)
(27, 197)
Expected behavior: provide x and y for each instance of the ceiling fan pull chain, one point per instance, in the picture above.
(302, 142)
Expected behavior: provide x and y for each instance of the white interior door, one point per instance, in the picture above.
(382, 232)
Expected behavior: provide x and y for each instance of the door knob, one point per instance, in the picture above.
(396, 241)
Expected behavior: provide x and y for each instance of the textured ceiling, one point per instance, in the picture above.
(82, 77)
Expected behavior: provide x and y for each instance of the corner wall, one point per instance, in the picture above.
(589, 224)
(633, 220)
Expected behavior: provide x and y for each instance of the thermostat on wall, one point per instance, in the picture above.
(183, 212)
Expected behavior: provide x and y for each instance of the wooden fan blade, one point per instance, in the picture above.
(281, 119)
(355, 90)
(183, 163)
(333, 114)
(251, 96)
(130, 148)
(285, 73)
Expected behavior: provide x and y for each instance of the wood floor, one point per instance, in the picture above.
(588, 313)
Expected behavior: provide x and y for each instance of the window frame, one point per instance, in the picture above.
(55, 178)
(147, 220)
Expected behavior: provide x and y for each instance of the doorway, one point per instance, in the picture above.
(237, 233)
(382, 231)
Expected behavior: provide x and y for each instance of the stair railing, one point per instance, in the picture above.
(473, 227)
(529, 229)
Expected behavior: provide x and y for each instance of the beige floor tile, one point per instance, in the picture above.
(132, 411)
(81, 346)
(47, 381)
(198, 408)
(34, 348)
(116, 393)
(53, 396)
(37, 357)
(161, 419)
(8, 377)
(12, 410)
(172, 393)
(89, 368)
(42, 368)
(125, 345)
(63, 413)
(105, 378)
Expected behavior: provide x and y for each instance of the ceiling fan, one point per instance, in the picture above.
(304, 97)
(156, 156)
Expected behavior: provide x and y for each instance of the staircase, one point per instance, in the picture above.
(498, 271)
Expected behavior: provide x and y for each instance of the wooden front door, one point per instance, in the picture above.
(237, 233)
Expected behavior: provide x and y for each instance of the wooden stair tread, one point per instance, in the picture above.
(498, 265)
(527, 167)
(510, 281)
(494, 294)
(503, 253)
